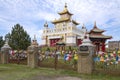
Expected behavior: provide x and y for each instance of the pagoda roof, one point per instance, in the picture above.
(75, 22)
(65, 10)
(100, 36)
(60, 20)
(96, 29)
(97, 33)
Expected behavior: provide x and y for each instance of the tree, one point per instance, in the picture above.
(1, 41)
(18, 38)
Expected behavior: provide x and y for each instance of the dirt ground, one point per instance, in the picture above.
(67, 78)
(54, 78)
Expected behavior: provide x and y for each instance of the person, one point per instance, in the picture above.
(58, 54)
(75, 59)
(102, 60)
(65, 56)
(46, 54)
(119, 58)
(12, 53)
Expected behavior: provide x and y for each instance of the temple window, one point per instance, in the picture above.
(70, 24)
(63, 24)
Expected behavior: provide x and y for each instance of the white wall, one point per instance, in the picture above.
(43, 42)
(71, 40)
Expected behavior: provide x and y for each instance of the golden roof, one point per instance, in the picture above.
(65, 10)
(60, 20)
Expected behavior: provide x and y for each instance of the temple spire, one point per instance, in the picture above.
(83, 27)
(95, 24)
(65, 7)
(34, 42)
(34, 37)
(46, 24)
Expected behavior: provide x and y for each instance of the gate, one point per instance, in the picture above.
(57, 60)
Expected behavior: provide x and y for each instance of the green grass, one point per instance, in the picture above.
(22, 72)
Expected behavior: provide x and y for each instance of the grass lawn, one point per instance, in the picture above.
(22, 72)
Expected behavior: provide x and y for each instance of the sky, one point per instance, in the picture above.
(32, 14)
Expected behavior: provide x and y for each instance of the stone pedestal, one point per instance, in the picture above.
(4, 58)
(32, 56)
(85, 63)
(5, 53)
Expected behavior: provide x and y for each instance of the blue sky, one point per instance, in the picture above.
(32, 14)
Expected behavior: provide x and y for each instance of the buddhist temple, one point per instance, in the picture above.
(97, 38)
(65, 30)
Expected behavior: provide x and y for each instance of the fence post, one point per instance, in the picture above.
(85, 60)
(56, 61)
(32, 59)
(5, 53)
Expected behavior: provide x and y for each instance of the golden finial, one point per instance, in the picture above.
(65, 5)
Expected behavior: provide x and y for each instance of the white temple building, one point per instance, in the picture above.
(65, 30)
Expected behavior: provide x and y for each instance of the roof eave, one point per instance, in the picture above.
(75, 22)
(54, 22)
(64, 12)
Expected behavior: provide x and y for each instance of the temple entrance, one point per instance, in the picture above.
(79, 41)
(54, 41)
(100, 44)
(97, 46)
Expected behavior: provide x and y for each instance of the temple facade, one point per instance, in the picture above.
(98, 38)
(65, 30)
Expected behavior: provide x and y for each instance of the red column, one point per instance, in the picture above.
(50, 42)
(103, 47)
(79, 41)
(54, 42)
